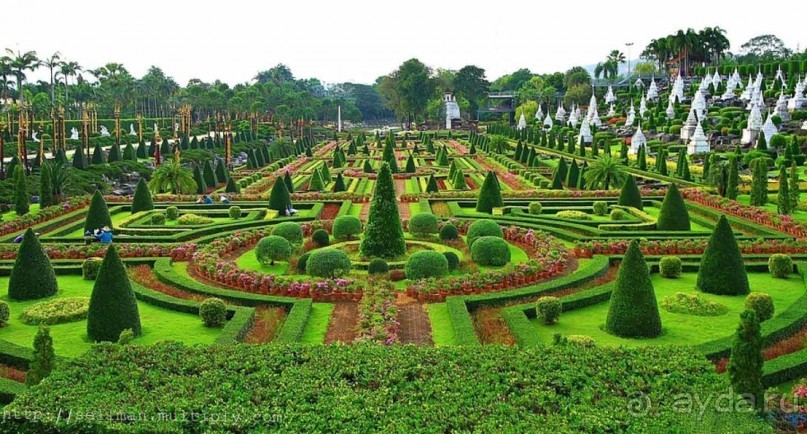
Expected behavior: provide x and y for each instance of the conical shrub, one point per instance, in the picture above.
(633, 309)
(98, 214)
(32, 276)
(630, 196)
(722, 271)
(113, 307)
(673, 215)
(142, 200)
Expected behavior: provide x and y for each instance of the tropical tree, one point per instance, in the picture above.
(604, 172)
(171, 176)
(52, 62)
(18, 64)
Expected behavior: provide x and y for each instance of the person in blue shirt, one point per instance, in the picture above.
(208, 200)
(106, 236)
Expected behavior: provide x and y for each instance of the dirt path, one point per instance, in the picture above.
(365, 211)
(400, 187)
(342, 327)
(415, 326)
(404, 212)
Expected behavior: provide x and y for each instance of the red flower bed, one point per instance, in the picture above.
(587, 249)
(31, 219)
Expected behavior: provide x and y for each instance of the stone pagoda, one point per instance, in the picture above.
(522, 122)
(637, 141)
(585, 132)
(652, 91)
(698, 144)
(560, 114)
(539, 114)
(754, 126)
(631, 116)
(642, 106)
(610, 97)
(670, 110)
(688, 129)
(769, 128)
(548, 122)
(781, 107)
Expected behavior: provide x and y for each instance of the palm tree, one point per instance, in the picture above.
(60, 180)
(67, 70)
(5, 71)
(604, 172)
(21, 62)
(52, 63)
(172, 177)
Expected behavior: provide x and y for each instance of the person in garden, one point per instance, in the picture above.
(208, 200)
(106, 235)
(223, 199)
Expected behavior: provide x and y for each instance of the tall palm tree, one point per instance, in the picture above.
(604, 172)
(5, 71)
(52, 63)
(21, 62)
(172, 177)
(67, 70)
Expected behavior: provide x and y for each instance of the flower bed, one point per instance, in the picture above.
(378, 315)
(177, 252)
(587, 249)
(532, 193)
(31, 219)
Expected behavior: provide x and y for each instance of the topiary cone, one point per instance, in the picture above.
(142, 200)
(98, 214)
(113, 307)
(673, 215)
(722, 270)
(32, 276)
(633, 310)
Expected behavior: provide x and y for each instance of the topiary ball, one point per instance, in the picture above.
(761, 303)
(213, 312)
(449, 232)
(483, 228)
(273, 248)
(291, 231)
(234, 212)
(600, 207)
(90, 267)
(780, 265)
(346, 227)
(548, 309)
(377, 266)
(618, 214)
(453, 260)
(5, 313)
(426, 263)
(423, 224)
(171, 213)
(670, 267)
(328, 263)
(158, 219)
(321, 238)
(535, 208)
(490, 250)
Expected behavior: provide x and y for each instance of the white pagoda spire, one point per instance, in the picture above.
(538, 113)
(548, 122)
(698, 144)
(522, 123)
(652, 91)
(670, 110)
(585, 131)
(560, 114)
(716, 79)
(631, 116)
(768, 128)
(638, 140)
(643, 106)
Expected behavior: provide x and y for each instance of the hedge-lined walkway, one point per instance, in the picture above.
(414, 319)
(344, 321)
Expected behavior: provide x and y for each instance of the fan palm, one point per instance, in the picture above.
(21, 62)
(604, 172)
(172, 177)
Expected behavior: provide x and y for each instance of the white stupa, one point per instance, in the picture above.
(798, 101)
(609, 96)
(716, 79)
(547, 122)
(611, 112)
(631, 116)
(698, 144)
(670, 110)
(769, 128)
(735, 78)
(538, 113)
(781, 107)
(652, 91)
(754, 126)
(779, 76)
(560, 114)
(573, 117)
(703, 87)
(699, 104)
(592, 115)
(642, 107)
(637, 141)
(677, 91)
(639, 83)
(585, 132)
(747, 92)
(688, 129)
(522, 123)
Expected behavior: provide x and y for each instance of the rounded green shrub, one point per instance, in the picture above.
(377, 266)
(761, 303)
(273, 248)
(193, 220)
(171, 213)
(291, 231)
(321, 238)
(489, 250)
(346, 227)
(600, 207)
(548, 309)
(535, 208)
(573, 215)
(780, 265)
(5, 313)
(329, 263)
(670, 267)
(692, 304)
(618, 214)
(125, 337)
(449, 232)
(580, 340)
(213, 312)
(453, 260)
(426, 263)
(483, 228)
(423, 224)
(301, 262)
(90, 267)
(57, 311)
(234, 212)
(158, 219)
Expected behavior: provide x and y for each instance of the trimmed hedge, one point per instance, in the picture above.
(633, 310)
(483, 228)
(426, 263)
(328, 263)
(291, 231)
(673, 215)
(32, 276)
(722, 271)
(489, 250)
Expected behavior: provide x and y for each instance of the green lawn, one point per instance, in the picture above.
(248, 261)
(678, 328)
(800, 215)
(70, 339)
(317, 325)
(11, 215)
(442, 329)
(692, 225)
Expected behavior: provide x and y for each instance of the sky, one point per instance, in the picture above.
(360, 40)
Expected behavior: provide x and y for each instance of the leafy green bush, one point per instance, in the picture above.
(142, 200)
(453, 260)
(761, 303)
(57, 311)
(483, 228)
(193, 219)
(670, 267)
(291, 231)
(573, 215)
(692, 304)
(449, 232)
(5, 313)
(618, 214)
(213, 312)
(490, 250)
(234, 212)
(377, 266)
(97, 214)
(548, 309)
(125, 337)
(328, 262)
(423, 224)
(321, 238)
(158, 219)
(580, 340)
(490, 195)
(90, 267)
(780, 266)
(535, 208)
(273, 248)
(301, 262)
(383, 235)
(426, 263)
(630, 195)
(346, 227)
(600, 207)
(171, 213)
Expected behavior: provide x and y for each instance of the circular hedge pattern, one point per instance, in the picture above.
(58, 311)
(490, 250)
(327, 263)
(426, 263)
(483, 228)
